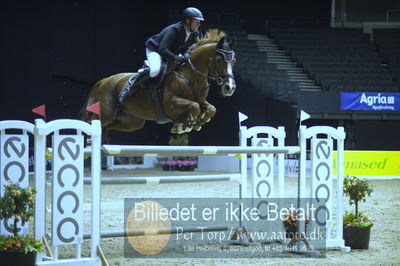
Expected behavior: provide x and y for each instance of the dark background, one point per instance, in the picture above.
(52, 52)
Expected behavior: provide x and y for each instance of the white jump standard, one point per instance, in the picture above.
(68, 155)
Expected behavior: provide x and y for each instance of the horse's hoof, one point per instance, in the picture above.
(177, 129)
(188, 129)
(197, 127)
(174, 130)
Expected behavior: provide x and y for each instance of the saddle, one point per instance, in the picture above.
(153, 85)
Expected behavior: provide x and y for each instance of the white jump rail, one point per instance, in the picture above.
(171, 231)
(150, 150)
(153, 150)
(167, 179)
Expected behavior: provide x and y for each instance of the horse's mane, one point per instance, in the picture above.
(211, 36)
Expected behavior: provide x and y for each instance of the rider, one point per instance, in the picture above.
(170, 45)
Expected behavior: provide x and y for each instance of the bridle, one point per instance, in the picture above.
(220, 79)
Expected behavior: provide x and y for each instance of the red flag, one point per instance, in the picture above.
(95, 108)
(40, 110)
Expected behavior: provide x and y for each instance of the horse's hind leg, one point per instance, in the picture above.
(126, 122)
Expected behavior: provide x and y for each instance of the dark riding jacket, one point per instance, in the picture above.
(171, 41)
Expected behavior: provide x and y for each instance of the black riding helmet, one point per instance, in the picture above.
(192, 13)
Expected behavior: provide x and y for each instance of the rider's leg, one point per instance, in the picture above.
(137, 80)
(154, 62)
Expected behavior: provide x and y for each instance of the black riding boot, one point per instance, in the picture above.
(139, 79)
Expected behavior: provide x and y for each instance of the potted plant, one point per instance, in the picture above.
(18, 203)
(356, 226)
(179, 140)
(181, 163)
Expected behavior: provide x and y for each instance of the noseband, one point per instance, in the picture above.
(228, 56)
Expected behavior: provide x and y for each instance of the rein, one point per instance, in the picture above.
(228, 56)
(201, 74)
(220, 79)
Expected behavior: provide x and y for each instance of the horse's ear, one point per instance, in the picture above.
(232, 43)
(221, 42)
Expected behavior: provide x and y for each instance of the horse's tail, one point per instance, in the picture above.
(84, 114)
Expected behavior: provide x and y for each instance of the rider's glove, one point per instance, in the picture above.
(180, 59)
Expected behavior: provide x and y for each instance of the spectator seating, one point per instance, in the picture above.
(387, 42)
(338, 59)
(253, 71)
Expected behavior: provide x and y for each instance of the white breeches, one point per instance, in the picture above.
(154, 62)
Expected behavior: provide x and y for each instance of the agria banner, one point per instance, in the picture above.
(372, 101)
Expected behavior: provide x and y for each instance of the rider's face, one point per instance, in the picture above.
(194, 25)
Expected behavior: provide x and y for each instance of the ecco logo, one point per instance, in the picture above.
(263, 174)
(322, 150)
(68, 184)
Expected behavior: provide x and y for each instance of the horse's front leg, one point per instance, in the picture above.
(207, 112)
(183, 113)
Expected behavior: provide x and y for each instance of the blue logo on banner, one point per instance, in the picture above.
(373, 101)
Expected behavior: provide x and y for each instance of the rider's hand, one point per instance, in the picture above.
(180, 59)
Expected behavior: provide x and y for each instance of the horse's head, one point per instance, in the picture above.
(224, 60)
(213, 58)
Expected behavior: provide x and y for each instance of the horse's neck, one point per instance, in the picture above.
(197, 72)
(201, 58)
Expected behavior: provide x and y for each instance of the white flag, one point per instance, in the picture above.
(304, 116)
(242, 117)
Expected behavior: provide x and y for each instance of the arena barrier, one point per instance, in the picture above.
(68, 152)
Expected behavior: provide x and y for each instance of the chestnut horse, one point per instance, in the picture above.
(180, 97)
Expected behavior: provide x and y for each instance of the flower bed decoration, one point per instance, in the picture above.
(178, 165)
